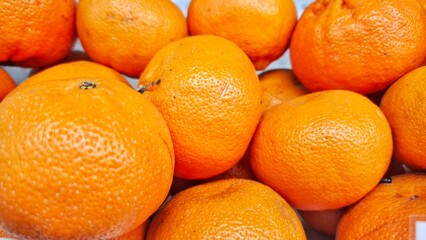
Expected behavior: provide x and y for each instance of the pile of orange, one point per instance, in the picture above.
(176, 125)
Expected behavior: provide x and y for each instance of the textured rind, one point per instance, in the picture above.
(404, 105)
(323, 150)
(358, 45)
(210, 96)
(36, 33)
(81, 164)
(227, 209)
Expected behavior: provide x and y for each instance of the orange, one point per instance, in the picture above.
(324, 221)
(36, 33)
(7, 83)
(126, 34)
(387, 212)
(278, 85)
(261, 28)
(208, 91)
(81, 159)
(226, 209)
(324, 150)
(404, 105)
(358, 45)
(77, 69)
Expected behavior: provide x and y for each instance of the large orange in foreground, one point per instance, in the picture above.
(81, 159)
(358, 45)
(36, 33)
(227, 209)
(208, 92)
(323, 150)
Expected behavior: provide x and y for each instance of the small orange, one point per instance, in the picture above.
(126, 34)
(81, 159)
(358, 45)
(278, 85)
(226, 209)
(389, 211)
(7, 83)
(208, 91)
(324, 221)
(36, 33)
(323, 150)
(77, 69)
(262, 29)
(404, 105)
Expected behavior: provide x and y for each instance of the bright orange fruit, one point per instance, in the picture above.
(226, 209)
(81, 159)
(358, 45)
(208, 91)
(279, 85)
(324, 150)
(404, 105)
(262, 29)
(36, 33)
(126, 34)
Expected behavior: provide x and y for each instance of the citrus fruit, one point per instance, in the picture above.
(36, 33)
(324, 150)
(126, 34)
(404, 105)
(358, 45)
(261, 28)
(81, 159)
(387, 211)
(208, 92)
(226, 209)
(278, 85)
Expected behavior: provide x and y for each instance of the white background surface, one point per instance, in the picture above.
(20, 74)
